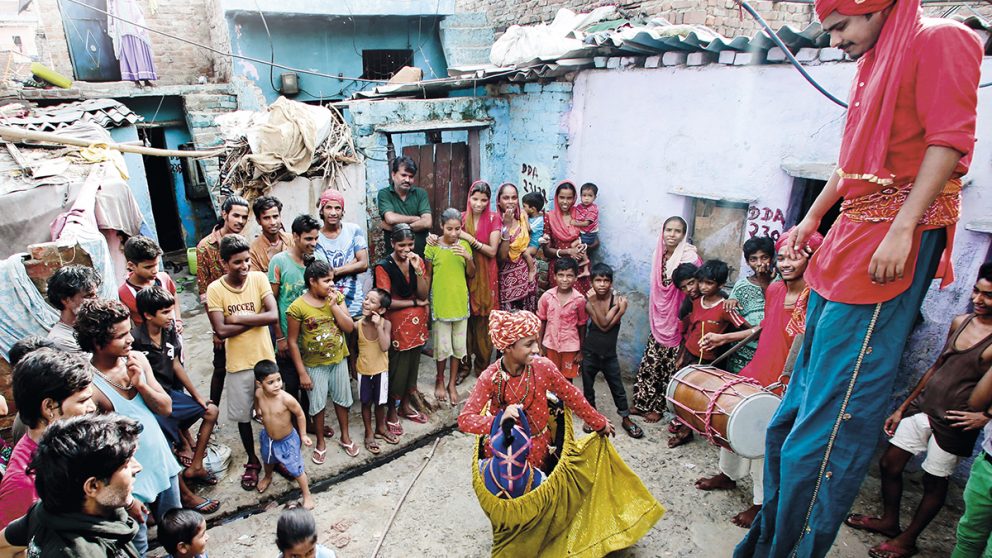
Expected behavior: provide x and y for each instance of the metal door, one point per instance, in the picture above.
(90, 47)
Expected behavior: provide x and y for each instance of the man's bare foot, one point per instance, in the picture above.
(716, 482)
(653, 416)
(185, 456)
(872, 525)
(263, 483)
(439, 392)
(453, 394)
(746, 517)
(683, 436)
(308, 502)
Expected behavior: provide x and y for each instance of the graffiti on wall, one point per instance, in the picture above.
(534, 178)
(765, 221)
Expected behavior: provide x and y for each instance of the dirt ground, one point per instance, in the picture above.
(441, 516)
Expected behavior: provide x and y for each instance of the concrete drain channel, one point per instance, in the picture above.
(325, 484)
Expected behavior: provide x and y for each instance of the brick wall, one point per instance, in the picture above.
(722, 15)
(176, 62)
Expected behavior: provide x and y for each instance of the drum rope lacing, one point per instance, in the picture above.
(712, 407)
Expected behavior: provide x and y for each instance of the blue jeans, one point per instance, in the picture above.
(820, 442)
(166, 500)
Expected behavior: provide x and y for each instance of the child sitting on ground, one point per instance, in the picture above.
(143, 257)
(709, 316)
(317, 323)
(296, 535)
(373, 367)
(599, 351)
(562, 311)
(585, 215)
(183, 534)
(450, 264)
(279, 438)
(156, 337)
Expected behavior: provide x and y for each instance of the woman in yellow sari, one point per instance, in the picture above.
(517, 275)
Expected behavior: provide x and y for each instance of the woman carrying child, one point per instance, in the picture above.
(563, 236)
(450, 265)
(517, 269)
(319, 320)
(662, 350)
(403, 275)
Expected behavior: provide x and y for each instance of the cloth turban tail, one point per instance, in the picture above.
(329, 196)
(506, 328)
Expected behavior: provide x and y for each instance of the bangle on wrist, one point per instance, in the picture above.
(558, 253)
(280, 339)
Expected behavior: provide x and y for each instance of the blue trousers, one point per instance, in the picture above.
(821, 440)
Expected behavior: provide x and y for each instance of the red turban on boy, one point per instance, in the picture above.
(850, 7)
(506, 328)
(813, 242)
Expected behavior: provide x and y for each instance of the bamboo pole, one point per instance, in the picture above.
(10, 133)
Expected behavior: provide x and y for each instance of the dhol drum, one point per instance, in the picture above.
(730, 410)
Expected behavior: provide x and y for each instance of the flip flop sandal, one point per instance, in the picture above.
(351, 449)
(207, 506)
(888, 550)
(319, 456)
(210, 479)
(859, 521)
(419, 418)
(373, 446)
(673, 427)
(249, 479)
(396, 428)
(633, 430)
(390, 439)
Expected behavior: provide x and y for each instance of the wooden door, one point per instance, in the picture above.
(442, 170)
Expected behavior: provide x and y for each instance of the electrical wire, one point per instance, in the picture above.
(272, 47)
(792, 59)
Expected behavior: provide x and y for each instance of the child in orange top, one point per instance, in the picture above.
(562, 311)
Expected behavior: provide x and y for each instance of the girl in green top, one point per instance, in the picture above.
(316, 325)
(449, 264)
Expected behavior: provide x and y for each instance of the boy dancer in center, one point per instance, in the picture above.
(241, 307)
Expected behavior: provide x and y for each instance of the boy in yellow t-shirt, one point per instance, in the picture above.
(241, 307)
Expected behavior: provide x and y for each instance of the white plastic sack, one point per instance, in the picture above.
(522, 44)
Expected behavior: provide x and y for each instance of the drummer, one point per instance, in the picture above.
(518, 383)
(785, 313)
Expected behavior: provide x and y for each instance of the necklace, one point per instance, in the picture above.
(111, 382)
(502, 383)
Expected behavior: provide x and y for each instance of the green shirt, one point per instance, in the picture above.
(289, 275)
(416, 204)
(449, 286)
(321, 341)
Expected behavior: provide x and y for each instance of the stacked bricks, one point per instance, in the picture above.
(201, 111)
(176, 63)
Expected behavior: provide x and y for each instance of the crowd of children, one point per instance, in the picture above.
(293, 326)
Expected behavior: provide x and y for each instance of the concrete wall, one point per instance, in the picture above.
(331, 45)
(136, 168)
(720, 131)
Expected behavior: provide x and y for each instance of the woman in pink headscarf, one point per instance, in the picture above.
(661, 353)
(481, 226)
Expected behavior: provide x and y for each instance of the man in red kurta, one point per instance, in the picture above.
(908, 139)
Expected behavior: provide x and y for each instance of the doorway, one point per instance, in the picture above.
(804, 193)
(442, 170)
(163, 195)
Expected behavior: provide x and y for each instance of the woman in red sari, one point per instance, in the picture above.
(481, 228)
(558, 226)
(517, 282)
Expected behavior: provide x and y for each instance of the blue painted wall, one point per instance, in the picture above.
(136, 169)
(330, 45)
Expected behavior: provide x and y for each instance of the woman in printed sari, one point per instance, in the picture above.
(662, 350)
(481, 228)
(517, 282)
(562, 234)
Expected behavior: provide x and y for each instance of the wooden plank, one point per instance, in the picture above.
(426, 173)
(442, 163)
(475, 157)
(460, 179)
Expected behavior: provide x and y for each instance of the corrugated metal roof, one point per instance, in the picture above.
(108, 113)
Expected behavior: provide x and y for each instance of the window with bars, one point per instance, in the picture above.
(383, 64)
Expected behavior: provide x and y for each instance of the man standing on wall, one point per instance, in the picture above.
(402, 202)
(907, 141)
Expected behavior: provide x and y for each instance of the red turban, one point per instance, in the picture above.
(330, 195)
(506, 328)
(813, 242)
(850, 7)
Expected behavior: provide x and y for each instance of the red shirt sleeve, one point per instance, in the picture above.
(382, 279)
(471, 420)
(948, 69)
(583, 315)
(542, 307)
(573, 398)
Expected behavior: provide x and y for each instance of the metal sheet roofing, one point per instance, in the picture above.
(108, 113)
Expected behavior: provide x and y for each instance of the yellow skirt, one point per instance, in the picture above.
(590, 505)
